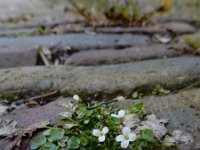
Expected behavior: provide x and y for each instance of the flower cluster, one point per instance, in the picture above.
(125, 138)
(110, 130)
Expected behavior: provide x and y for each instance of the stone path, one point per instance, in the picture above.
(109, 79)
(100, 63)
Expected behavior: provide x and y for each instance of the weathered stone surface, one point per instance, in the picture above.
(176, 27)
(16, 52)
(56, 27)
(12, 12)
(194, 38)
(185, 10)
(158, 28)
(78, 41)
(7, 127)
(112, 56)
(3, 109)
(97, 80)
(18, 7)
(28, 116)
(182, 110)
(17, 57)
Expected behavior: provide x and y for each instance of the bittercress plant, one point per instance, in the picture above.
(100, 127)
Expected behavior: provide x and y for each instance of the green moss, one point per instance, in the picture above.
(190, 41)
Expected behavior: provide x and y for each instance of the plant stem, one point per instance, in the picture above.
(81, 11)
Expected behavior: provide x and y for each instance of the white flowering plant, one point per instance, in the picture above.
(96, 125)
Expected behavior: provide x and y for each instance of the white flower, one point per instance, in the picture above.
(120, 98)
(76, 98)
(120, 114)
(100, 133)
(126, 137)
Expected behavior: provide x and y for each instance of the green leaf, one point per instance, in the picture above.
(38, 141)
(73, 143)
(139, 106)
(49, 146)
(146, 134)
(81, 112)
(142, 145)
(62, 143)
(84, 141)
(157, 86)
(56, 134)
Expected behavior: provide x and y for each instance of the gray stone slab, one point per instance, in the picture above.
(106, 80)
(17, 57)
(78, 41)
(22, 51)
(41, 11)
(113, 56)
(28, 116)
(159, 28)
(182, 110)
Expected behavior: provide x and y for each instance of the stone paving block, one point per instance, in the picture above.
(17, 57)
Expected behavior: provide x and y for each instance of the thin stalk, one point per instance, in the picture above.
(81, 11)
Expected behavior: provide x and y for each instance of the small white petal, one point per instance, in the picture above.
(121, 113)
(124, 144)
(132, 136)
(76, 97)
(126, 130)
(120, 138)
(114, 115)
(96, 132)
(105, 130)
(102, 138)
(120, 98)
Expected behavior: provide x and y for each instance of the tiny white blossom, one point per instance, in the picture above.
(120, 98)
(100, 133)
(120, 114)
(76, 98)
(126, 137)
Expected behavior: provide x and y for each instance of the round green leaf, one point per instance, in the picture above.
(84, 141)
(56, 134)
(81, 112)
(38, 141)
(73, 143)
(49, 146)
